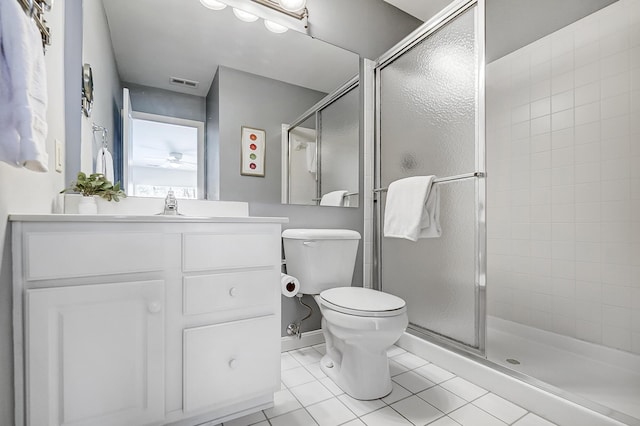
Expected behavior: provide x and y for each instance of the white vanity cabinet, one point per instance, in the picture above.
(127, 321)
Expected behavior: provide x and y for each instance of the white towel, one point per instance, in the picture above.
(104, 164)
(23, 90)
(312, 160)
(412, 209)
(335, 198)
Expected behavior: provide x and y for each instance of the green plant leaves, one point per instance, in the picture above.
(96, 184)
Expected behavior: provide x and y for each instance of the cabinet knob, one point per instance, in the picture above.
(233, 363)
(233, 292)
(154, 307)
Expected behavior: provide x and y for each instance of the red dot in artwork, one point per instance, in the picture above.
(253, 147)
(253, 137)
(252, 166)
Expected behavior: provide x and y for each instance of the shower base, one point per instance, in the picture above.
(606, 376)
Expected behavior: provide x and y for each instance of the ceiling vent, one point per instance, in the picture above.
(184, 82)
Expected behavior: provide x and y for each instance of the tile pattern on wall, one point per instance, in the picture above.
(423, 393)
(563, 163)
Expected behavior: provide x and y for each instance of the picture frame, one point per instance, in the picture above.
(252, 151)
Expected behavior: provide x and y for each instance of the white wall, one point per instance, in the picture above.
(563, 161)
(98, 52)
(23, 191)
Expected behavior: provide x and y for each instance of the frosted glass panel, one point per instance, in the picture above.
(340, 138)
(428, 105)
(428, 109)
(436, 276)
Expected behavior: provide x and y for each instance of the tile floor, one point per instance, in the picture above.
(423, 394)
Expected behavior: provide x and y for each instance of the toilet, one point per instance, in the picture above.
(358, 324)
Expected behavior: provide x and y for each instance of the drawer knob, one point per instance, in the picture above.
(154, 307)
(233, 292)
(233, 363)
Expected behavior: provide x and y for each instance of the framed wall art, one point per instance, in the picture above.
(252, 152)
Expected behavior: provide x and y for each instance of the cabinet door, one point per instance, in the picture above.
(230, 362)
(95, 354)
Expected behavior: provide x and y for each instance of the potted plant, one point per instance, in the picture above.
(91, 186)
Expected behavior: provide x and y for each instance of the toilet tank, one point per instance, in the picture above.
(321, 258)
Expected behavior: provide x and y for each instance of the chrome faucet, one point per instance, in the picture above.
(170, 204)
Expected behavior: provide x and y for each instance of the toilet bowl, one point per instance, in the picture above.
(358, 324)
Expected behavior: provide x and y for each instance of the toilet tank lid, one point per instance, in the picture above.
(321, 234)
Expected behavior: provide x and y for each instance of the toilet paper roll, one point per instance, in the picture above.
(289, 285)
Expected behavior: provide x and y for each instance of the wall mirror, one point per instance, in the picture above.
(321, 149)
(183, 60)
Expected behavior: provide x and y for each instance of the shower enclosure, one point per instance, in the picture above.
(544, 285)
(430, 123)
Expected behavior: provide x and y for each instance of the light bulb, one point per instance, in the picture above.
(292, 5)
(244, 16)
(275, 27)
(213, 4)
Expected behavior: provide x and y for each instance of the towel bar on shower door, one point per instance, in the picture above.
(445, 179)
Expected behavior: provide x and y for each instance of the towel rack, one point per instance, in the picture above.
(35, 9)
(348, 194)
(102, 130)
(445, 179)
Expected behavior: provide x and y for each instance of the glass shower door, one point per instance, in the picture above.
(429, 123)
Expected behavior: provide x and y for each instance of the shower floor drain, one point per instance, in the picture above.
(513, 361)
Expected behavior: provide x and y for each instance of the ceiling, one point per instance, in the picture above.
(154, 40)
(421, 9)
(512, 24)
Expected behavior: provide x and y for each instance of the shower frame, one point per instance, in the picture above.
(446, 16)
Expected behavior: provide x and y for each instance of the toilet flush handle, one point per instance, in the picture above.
(310, 243)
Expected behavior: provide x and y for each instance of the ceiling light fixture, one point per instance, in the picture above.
(275, 27)
(292, 5)
(213, 4)
(244, 16)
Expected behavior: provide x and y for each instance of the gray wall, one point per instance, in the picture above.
(164, 102)
(72, 78)
(366, 27)
(97, 51)
(246, 99)
(512, 24)
(312, 217)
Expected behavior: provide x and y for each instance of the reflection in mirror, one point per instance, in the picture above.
(320, 154)
(165, 156)
(185, 61)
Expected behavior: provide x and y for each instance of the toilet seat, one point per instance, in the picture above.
(363, 302)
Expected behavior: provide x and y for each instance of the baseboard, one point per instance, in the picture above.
(495, 379)
(309, 338)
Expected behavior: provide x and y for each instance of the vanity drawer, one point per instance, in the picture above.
(211, 293)
(230, 362)
(52, 255)
(228, 251)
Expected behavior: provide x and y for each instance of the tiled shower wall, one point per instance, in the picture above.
(563, 163)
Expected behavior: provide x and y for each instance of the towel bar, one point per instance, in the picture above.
(445, 179)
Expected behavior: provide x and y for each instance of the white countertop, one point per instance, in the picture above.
(141, 218)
